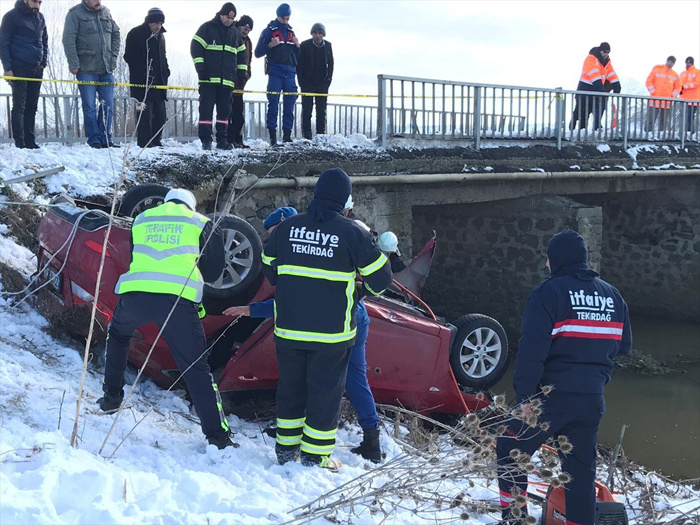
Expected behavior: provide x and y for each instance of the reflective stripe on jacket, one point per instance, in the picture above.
(592, 73)
(690, 83)
(663, 82)
(215, 52)
(314, 265)
(165, 253)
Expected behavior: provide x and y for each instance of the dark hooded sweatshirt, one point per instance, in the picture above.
(573, 326)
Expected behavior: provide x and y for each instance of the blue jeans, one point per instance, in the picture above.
(98, 122)
(356, 383)
(278, 84)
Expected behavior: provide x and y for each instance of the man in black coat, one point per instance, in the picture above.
(218, 54)
(24, 50)
(315, 73)
(237, 117)
(148, 66)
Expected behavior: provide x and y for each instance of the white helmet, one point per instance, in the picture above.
(182, 195)
(349, 204)
(363, 225)
(388, 242)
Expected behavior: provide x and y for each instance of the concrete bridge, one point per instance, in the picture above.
(493, 223)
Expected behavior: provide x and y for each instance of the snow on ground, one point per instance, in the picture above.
(163, 472)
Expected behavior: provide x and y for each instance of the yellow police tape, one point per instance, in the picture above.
(179, 88)
(236, 91)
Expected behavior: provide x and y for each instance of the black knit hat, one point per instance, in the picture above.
(245, 21)
(333, 185)
(691, 60)
(155, 15)
(318, 26)
(671, 58)
(227, 8)
(604, 46)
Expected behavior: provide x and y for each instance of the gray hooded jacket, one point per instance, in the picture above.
(91, 40)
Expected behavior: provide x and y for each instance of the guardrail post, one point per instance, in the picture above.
(559, 112)
(381, 111)
(477, 117)
(625, 121)
(67, 118)
(684, 116)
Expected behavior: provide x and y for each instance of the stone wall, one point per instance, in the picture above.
(651, 250)
(491, 255)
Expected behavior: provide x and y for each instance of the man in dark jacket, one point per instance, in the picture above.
(91, 41)
(237, 117)
(218, 53)
(313, 258)
(597, 75)
(280, 47)
(315, 73)
(175, 251)
(573, 326)
(24, 50)
(148, 66)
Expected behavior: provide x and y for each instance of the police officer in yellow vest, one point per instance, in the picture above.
(175, 250)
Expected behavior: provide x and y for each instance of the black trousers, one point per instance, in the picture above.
(152, 120)
(236, 119)
(211, 95)
(585, 105)
(576, 416)
(307, 106)
(25, 98)
(309, 392)
(184, 335)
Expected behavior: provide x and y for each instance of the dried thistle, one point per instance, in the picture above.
(530, 520)
(516, 512)
(547, 389)
(480, 396)
(514, 454)
(530, 467)
(501, 430)
(564, 477)
(473, 419)
(536, 403)
(562, 439)
(555, 483)
(566, 448)
(546, 473)
(457, 501)
(520, 500)
(464, 516)
(544, 426)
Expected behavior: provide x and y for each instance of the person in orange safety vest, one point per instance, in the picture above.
(690, 90)
(663, 81)
(597, 75)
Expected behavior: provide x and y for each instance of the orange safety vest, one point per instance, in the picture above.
(609, 74)
(663, 82)
(592, 71)
(690, 82)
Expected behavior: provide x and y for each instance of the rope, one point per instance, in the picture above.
(179, 88)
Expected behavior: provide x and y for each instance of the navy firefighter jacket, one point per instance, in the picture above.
(314, 265)
(573, 326)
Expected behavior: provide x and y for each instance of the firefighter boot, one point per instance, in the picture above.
(315, 460)
(110, 402)
(221, 440)
(273, 137)
(286, 453)
(369, 448)
(286, 135)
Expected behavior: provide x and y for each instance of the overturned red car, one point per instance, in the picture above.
(414, 359)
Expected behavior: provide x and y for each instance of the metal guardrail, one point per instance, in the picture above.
(59, 119)
(443, 110)
(420, 108)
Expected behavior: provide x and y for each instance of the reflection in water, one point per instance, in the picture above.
(662, 412)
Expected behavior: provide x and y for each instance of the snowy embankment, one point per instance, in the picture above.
(164, 472)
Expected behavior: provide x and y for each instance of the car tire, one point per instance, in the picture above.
(140, 198)
(243, 250)
(479, 355)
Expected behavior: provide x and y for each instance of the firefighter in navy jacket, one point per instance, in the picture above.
(313, 259)
(573, 326)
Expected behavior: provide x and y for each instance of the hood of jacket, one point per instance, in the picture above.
(568, 255)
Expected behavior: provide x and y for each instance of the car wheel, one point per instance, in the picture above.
(243, 250)
(479, 354)
(140, 198)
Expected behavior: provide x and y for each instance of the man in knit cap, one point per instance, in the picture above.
(148, 66)
(218, 53)
(315, 73)
(237, 117)
(312, 259)
(280, 47)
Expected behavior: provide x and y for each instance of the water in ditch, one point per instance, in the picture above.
(662, 412)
